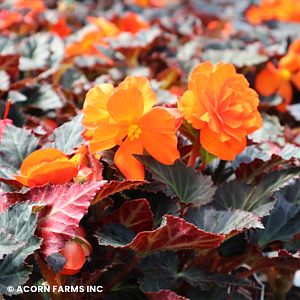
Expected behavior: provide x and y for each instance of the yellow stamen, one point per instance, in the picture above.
(134, 132)
(285, 74)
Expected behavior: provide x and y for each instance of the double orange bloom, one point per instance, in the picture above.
(125, 116)
(220, 103)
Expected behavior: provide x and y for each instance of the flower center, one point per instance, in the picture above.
(285, 74)
(134, 132)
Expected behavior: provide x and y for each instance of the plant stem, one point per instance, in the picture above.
(194, 153)
(117, 278)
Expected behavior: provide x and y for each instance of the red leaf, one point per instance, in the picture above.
(164, 295)
(176, 234)
(96, 165)
(10, 63)
(65, 207)
(3, 202)
(135, 214)
(114, 187)
(15, 184)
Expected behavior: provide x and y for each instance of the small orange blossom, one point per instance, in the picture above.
(280, 79)
(132, 123)
(220, 103)
(46, 165)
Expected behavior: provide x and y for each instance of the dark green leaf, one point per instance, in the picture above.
(67, 136)
(163, 264)
(282, 223)
(211, 220)
(40, 50)
(153, 284)
(16, 145)
(213, 292)
(248, 155)
(255, 199)
(291, 192)
(8, 244)
(181, 181)
(20, 222)
(204, 278)
(43, 97)
(56, 261)
(247, 57)
(115, 235)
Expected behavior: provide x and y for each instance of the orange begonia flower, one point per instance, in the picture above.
(61, 28)
(132, 123)
(75, 251)
(34, 5)
(87, 45)
(281, 10)
(220, 103)
(280, 80)
(75, 256)
(94, 107)
(46, 165)
(132, 22)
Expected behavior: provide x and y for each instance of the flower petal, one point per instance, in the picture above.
(295, 78)
(185, 105)
(144, 86)
(163, 147)
(99, 95)
(224, 150)
(55, 173)
(126, 106)
(205, 68)
(177, 114)
(107, 136)
(39, 156)
(130, 167)
(157, 120)
(267, 82)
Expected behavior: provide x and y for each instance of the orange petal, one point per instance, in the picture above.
(94, 117)
(285, 89)
(157, 120)
(22, 179)
(130, 167)
(99, 95)
(223, 150)
(54, 172)
(39, 156)
(295, 78)
(177, 114)
(213, 91)
(185, 105)
(144, 86)
(267, 82)
(75, 256)
(163, 147)
(205, 68)
(107, 136)
(223, 72)
(126, 106)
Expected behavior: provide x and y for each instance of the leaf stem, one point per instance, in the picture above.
(117, 278)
